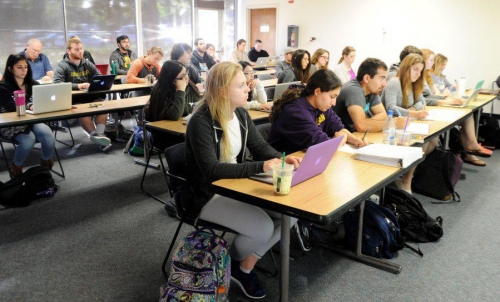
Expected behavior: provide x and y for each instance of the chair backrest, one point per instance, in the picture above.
(264, 130)
(176, 161)
(265, 76)
(269, 92)
(498, 81)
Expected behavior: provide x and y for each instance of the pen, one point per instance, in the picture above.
(399, 113)
(365, 133)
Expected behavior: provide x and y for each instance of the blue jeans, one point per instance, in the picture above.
(39, 133)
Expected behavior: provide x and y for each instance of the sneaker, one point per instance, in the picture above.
(101, 140)
(303, 235)
(248, 283)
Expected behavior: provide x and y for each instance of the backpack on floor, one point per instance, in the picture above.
(381, 232)
(200, 265)
(416, 224)
(437, 175)
(489, 131)
(34, 183)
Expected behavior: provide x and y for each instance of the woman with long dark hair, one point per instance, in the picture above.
(300, 70)
(18, 76)
(303, 116)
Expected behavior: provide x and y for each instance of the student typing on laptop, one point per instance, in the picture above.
(78, 71)
(217, 137)
(18, 76)
(467, 128)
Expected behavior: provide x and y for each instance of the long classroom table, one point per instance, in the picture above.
(345, 183)
(10, 119)
(115, 88)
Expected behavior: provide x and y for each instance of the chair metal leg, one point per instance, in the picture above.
(144, 176)
(60, 165)
(5, 157)
(167, 256)
(70, 133)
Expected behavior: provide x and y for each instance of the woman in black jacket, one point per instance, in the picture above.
(217, 136)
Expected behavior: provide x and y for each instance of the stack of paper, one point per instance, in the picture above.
(389, 155)
(419, 131)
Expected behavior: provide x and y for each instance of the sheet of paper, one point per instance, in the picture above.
(444, 115)
(348, 149)
(418, 128)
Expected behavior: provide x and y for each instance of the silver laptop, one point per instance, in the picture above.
(314, 162)
(469, 99)
(261, 63)
(280, 88)
(50, 98)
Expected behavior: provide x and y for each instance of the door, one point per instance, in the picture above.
(263, 27)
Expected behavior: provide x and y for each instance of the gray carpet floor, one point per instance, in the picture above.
(100, 239)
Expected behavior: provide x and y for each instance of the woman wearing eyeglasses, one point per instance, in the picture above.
(319, 60)
(173, 97)
(344, 70)
(257, 97)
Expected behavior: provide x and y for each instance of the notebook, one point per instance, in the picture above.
(389, 155)
(50, 98)
(261, 63)
(314, 162)
(468, 99)
(101, 82)
(280, 88)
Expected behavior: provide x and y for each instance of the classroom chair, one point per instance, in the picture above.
(151, 150)
(15, 143)
(176, 161)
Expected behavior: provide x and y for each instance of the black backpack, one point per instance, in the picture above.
(381, 232)
(437, 176)
(416, 224)
(489, 131)
(34, 183)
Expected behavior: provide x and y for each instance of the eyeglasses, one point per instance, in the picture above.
(325, 57)
(182, 77)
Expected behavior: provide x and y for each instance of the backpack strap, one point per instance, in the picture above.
(446, 171)
(416, 250)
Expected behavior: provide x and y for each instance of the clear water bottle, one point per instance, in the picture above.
(221, 294)
(389, 129)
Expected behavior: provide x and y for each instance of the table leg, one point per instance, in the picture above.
(477, 121)
(285, 257)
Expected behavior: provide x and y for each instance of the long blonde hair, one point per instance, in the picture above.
(427, 72)
(216, 96)
(405, 79)
(438, 60)
(345, 52)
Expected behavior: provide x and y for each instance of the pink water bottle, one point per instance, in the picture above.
(20, 97)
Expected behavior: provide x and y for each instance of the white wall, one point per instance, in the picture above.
(465, 31)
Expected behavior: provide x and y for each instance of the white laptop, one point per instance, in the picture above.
(314, 162)
(261, 63)
(469, 99)
(280, 88)
(50, 98)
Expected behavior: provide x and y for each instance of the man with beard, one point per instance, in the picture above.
(359, 105)
(77, 70)
(200, 59)
(123, 56)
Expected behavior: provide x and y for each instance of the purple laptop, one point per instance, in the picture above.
(314, 162)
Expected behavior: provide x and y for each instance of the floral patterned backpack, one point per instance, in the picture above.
(200, 265)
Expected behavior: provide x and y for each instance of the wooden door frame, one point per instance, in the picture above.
(248, 9)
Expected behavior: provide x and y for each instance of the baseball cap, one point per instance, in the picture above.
(289, 49)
